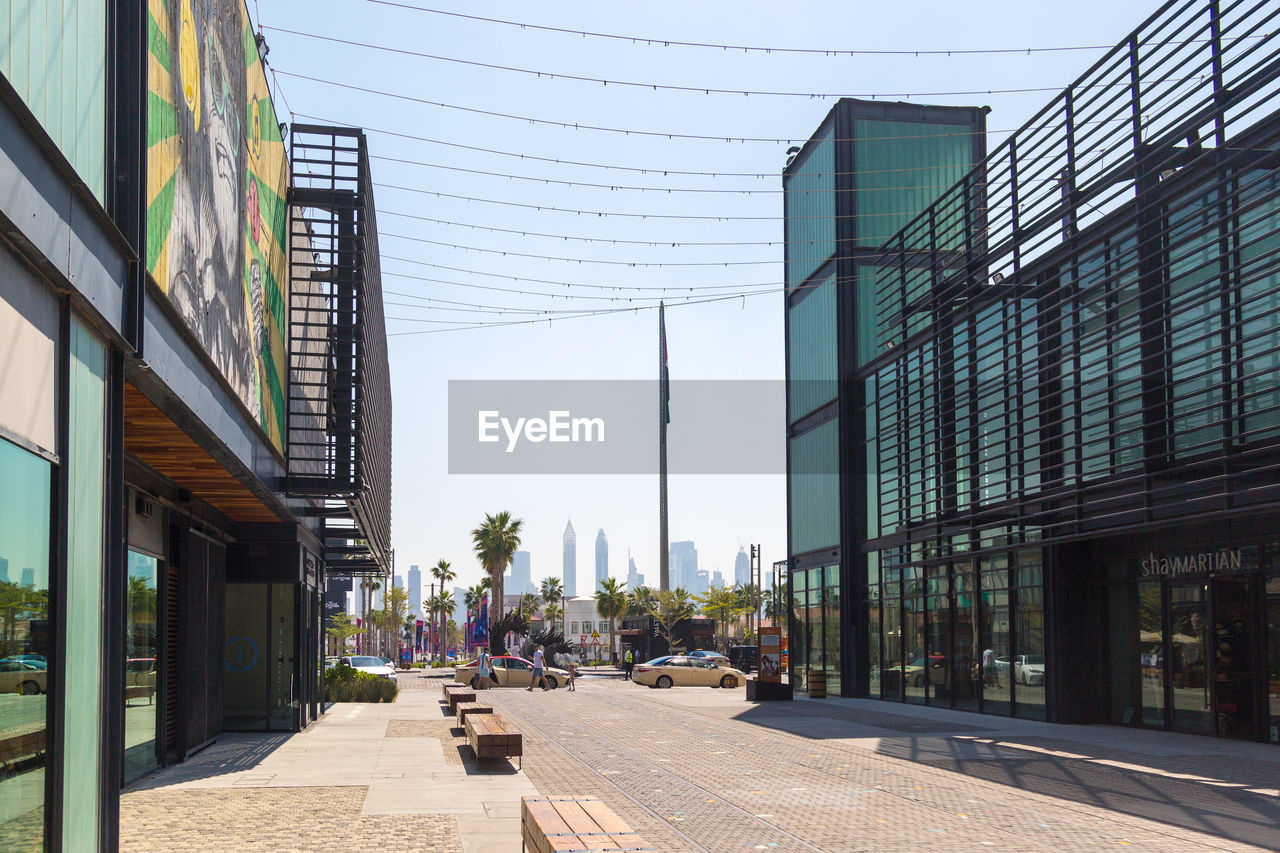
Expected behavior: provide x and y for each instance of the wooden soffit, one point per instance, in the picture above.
(161, 444)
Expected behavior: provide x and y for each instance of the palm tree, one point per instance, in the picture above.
(443, 574)
(721, 604)
(529, 603)
(551, 613)
(368, 587)
(494, 541)
(638, 600)
(553, 596)
(611, 602)
(441, 605)
(471, 599)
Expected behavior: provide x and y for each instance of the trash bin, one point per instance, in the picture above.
(817, 684)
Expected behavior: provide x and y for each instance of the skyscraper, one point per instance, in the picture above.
(520, 580)
(415, 590)
(717, 578)
(570, 560)
(634, 578)
(742, 568)
(4, 570)
(602, 558)
(28, 577)
(684, 565)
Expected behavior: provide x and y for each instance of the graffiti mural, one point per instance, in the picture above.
(217, 180)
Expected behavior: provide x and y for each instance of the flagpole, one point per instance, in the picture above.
(664, 393)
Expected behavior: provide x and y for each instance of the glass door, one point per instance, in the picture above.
(1234, 677)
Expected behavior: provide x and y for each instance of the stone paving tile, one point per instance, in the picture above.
(274, 820)
(717, 783)
(453, 739)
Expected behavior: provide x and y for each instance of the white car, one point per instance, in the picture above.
(1029, 669)
(371, 665)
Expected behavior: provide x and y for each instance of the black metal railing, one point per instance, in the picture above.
(1084, 333)
(339, 418)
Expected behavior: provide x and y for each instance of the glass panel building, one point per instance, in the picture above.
(1058, 491)
(868, 169)
(169, 476)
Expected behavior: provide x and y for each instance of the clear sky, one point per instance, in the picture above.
(736, 338)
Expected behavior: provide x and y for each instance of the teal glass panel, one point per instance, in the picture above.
(815, 494)
(810, 204)
(872, 462)
(24, 642)
(53, 52)
(82, 744)
(1259, 304)
(811, 345)
(865, 316)
(142, 635)
(902, 168)
(1195, 358)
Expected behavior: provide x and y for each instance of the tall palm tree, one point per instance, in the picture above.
(551, 613)
(471, 599)
(443, 574)
(611, 602)
(441, 605)
(368, 587)
(494, 541)
(529, 604)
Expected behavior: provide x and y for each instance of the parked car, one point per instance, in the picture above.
(915, 675)
(715, 657)
(686, 671)
(745, 658)
(371, 665)
(331, 661)
(510, 671)
(25, 677)
(1029, 669)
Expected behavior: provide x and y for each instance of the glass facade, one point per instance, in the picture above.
(811, 209)
(261, 678)
(965, 633)
(53, 52)
(815, 630)
(141, 653)
(25, 643)
(815, 488)
(811, 349)
(902, 167)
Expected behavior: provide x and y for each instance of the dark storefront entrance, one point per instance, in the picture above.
(1195, 641)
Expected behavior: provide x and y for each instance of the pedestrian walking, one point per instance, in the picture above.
(483, 673)
(539, 669)
(990, 670)
(629, 663)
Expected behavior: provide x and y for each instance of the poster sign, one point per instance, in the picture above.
(771, 654)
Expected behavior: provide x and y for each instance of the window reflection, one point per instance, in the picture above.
(1189, 648)
(24, 644)
(1151, 653)
(141, 644)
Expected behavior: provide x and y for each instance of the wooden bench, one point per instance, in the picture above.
(465, 709)
(450, 686)
(139, 691)
(574, 825)
(23, 744)
(491, 736)
(456, 697)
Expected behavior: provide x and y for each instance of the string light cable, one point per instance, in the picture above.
(656, 87)
(738, 48)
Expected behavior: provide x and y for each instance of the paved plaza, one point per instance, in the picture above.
(704, 770)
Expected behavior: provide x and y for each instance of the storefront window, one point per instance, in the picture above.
(831, 627)
(966, 662)
(799, 634)
(913, 658)
(997, 667)
(891, 643)
(874, 661)
(1029, 662)
(141, 644)
(1189, 647)
(1151, 652)
(24, 642)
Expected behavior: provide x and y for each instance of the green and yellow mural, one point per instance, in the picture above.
(217, 179)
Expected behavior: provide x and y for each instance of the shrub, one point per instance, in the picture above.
(344, 684)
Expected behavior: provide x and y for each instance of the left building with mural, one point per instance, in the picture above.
(194, 402)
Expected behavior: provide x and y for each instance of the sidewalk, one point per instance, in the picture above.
(363, 778)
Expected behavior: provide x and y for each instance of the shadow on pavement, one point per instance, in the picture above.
(233, 753)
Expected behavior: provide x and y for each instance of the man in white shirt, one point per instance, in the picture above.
(539, 665)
